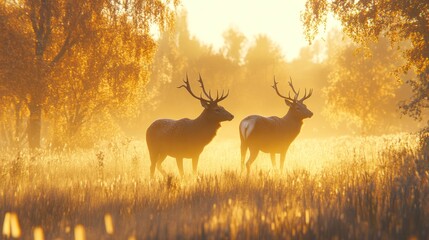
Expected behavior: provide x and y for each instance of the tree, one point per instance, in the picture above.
(179, 54)
(262, 61)
(101, 79)
(365, 21)
(264, 53)
(16, 65)
(56, 30)
(233, 44)
(176, 55)
(362, 87)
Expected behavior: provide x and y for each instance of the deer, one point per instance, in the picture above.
(186, 138)
(273, 134)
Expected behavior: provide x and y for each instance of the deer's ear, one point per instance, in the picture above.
(205, 104)
(289, 103)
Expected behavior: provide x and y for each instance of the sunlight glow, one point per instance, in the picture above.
(38, 234)
(279, 20)
(108, 223)
(113, 123)
(79, 232)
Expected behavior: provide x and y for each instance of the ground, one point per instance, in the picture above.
(335, 188)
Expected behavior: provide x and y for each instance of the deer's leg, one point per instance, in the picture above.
(243, 148)
(282, 160)
(252, 158)
(153, 160)
(161, 158)
(273, 159)
(179, 162)
(152, 169)
(195, 164)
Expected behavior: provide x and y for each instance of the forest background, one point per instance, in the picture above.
(98, 78)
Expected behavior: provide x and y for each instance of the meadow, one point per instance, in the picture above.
(333, 188)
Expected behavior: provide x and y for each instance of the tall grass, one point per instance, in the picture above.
(339, 188)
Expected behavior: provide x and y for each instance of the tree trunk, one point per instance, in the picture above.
(35, 124)
(19, 134)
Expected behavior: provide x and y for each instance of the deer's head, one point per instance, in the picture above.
(297, 106)
(212, 110)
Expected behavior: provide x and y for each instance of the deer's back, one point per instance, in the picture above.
(177, 138)
(269, 134)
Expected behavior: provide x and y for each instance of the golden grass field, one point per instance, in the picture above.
(334, 188)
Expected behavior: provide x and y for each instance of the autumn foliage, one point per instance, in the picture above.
(71, 61)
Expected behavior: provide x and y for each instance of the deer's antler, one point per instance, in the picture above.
(289, 98)
(208, 95)
(187, 86)
(305, 95)
(278, 93)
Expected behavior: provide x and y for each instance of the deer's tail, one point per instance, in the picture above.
(243, 129)
(246, 128)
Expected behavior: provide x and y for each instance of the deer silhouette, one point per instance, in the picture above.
(273, 134)
(186, 138)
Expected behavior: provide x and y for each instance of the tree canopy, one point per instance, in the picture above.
(399, 21)
(72, 59)
(362, 88)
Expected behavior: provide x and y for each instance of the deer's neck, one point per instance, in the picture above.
(206, 126)
(292, 120)
(292, 115)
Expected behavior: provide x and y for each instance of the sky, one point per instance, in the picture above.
(280, 20)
